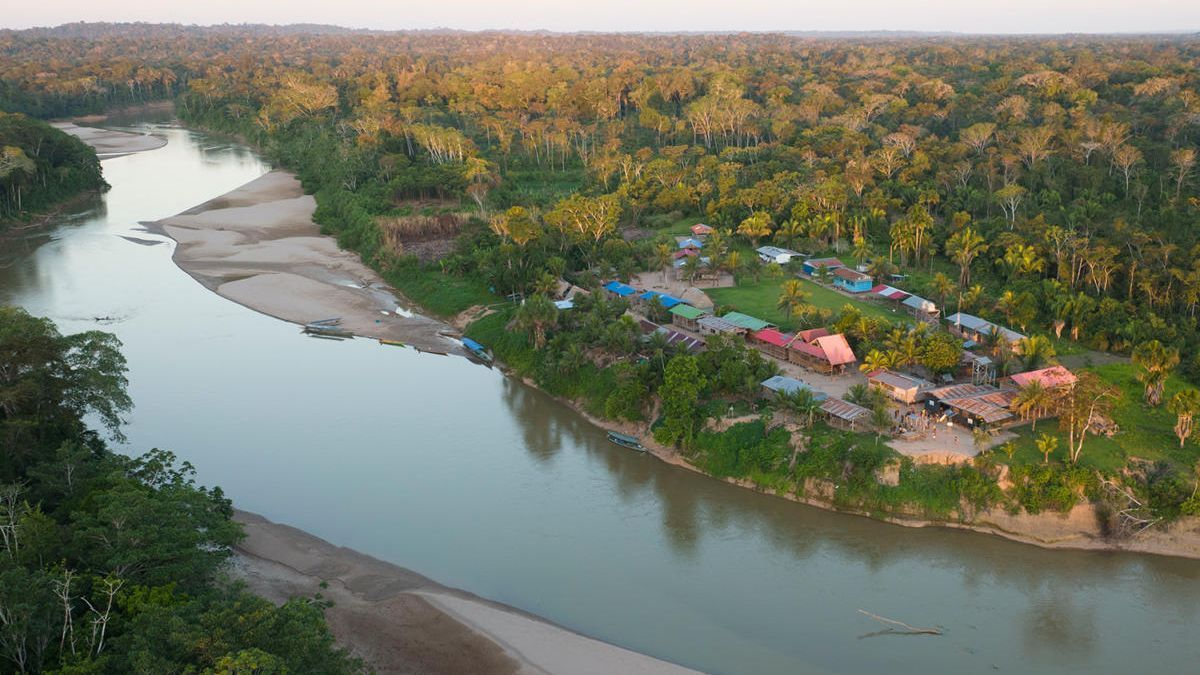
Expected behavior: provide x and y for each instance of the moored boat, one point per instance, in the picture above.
(478, 350)
(625, 440)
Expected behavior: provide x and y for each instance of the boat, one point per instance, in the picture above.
(327, 331)
(392, 343)
(477, 349)
(326, 322)
(625, 440)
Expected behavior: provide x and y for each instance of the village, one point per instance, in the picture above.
(935, 418)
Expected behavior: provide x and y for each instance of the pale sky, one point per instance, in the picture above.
(989, 16)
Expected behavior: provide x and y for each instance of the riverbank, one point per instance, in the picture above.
(398, 621)
(259, 247)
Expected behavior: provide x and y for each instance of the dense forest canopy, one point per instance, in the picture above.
(40, 166)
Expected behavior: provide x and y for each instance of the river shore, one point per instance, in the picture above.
(257, 246)
(401, 622)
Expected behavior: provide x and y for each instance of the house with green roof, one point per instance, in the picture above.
(746, 321)
(687, 317)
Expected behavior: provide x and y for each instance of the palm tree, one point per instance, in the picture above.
(1186, 405)
(1036, 350)
(1046, 444)
(875, 360)
(942, 287)
(963, 248)
(994, 343)
(802, 403)
(535, 316)
(1032, 400)
(1156, 361)
(792, 296)
(662, 259)
(732, 263)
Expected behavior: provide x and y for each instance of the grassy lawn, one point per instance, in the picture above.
(1146, 433)
(760, 299)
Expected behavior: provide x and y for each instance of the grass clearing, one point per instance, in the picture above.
(761, 299)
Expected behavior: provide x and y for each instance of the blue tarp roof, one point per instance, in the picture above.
(691, 243)
(620, 288)
(472, 345)
(667, 301)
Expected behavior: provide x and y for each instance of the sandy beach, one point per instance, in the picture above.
(109, 143)
(259, 247)
(401, 622)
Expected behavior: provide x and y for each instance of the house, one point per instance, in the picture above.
(674, 338)
(685, 253)
(889, 293)
(746, 321)
(811, 334)
(845, 414)
(690, 242)
(975, 405)
(813, 264)
(619, 289)
(781, 385)
(851, 281)
(715, 325)
(976, 329)
(919, 307)
(681, 260)
(772, 342)
(899, 386)
(701, 230)
(563, 305)
(826, 354)
(1054, 377)
(686, 317)
(651, 297)
(774, 254)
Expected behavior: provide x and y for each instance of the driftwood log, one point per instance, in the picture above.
(904, 629)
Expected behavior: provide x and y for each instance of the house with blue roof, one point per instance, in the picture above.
(619, 289)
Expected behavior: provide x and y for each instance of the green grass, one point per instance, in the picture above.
(440, 294)
(760, 299)
(1146, 433)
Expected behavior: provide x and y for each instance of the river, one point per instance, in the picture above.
(479, 482)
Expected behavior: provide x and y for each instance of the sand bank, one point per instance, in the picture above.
(109, 143)
(401, 622)
(258, 246)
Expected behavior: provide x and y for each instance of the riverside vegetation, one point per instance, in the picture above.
(111, 564)
(1046, 183)
(40, 167)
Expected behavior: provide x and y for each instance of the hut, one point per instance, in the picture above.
(686, 317)
(652, 297)
(772, 342)
(899, 386)
(701, 230)
(750, 323)
(774, 254)
(922, 309)
(619, 289)
(715, 325)
(977, 330)
(813, 264)
(781, 385)
(975, 405)
(845, 414)
(851, 281)
(1054, 377)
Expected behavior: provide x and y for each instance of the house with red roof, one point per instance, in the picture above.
(827, 354)
(772, 342)
(701, 230)
(1054, 377)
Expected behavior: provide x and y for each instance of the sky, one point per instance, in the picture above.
(993, 16)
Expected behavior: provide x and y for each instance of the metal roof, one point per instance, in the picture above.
(773, 336)
(1050, 378)
(745, 321)
(984, 410)
(775, 251)
(718, 324)
(919, 303)
(844, 409)
(982, 326)
(790, 385)
(897, 380)
(837, 350)
(687, 311)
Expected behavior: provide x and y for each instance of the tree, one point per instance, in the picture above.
(1083, 406)
(875, 360)
(1046, 444)
(941, 352)
(1156, 362)
(792, 296)
(942, 287)
(1036, 351)
(1032, 400)
(536, 316)
(50, 382)
(801, 403)
(756, 226)
(662, 258)
(963, 247)
(1185, 404)
(680, 395)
